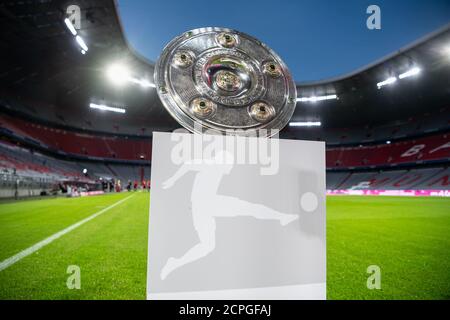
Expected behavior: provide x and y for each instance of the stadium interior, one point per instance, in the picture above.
(69, 124)
(395, 136)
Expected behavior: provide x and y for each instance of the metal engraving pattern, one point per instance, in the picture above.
(225, 80)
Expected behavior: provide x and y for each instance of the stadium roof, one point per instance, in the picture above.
(44, 75)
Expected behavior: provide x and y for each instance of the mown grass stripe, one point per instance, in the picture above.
(22, 254)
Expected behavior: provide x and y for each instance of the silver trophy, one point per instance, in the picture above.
(225, 81)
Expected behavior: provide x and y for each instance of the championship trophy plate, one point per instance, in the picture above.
(226, 81)
(248, 220)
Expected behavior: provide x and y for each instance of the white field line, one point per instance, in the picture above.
(22, 254)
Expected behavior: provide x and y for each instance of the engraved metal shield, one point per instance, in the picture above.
(225, 81)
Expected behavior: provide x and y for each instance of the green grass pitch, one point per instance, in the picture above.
(408, 238)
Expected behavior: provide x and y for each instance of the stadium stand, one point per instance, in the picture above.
(23, 162)
(435, 147)
(430, 148)
(395, 138)
(409, 127)
(414, 179)
(78, 143)
(33, 173)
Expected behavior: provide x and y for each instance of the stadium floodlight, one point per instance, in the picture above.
(317, 98)
(305, 124)
(386, 82)
(446, 51)
(70, 26)
(411, 72)
(118, 74)
(106, 108)
(81, 43)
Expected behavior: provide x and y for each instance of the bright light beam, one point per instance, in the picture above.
(70, 26)
(318, 98)
(119, 75)
(143, 83)
(386, 82)
(106, 108)
(447, 51)
(305, 124)
(81, 43)
(412, 72)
